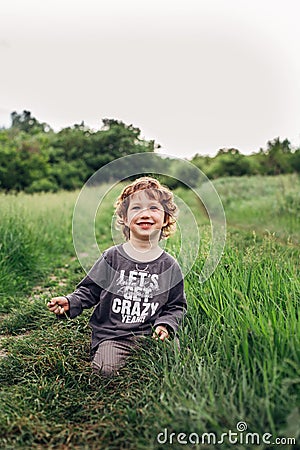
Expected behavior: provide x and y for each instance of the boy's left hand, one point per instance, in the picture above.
(161, 333)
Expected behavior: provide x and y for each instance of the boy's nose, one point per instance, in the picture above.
(145, 212)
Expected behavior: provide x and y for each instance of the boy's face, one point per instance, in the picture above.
(145, 216)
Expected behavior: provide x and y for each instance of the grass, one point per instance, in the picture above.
(32, 246)
(239, 357)
(269, 205)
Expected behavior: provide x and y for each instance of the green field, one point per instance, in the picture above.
(240, 341)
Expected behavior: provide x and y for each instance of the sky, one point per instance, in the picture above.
(193, 75)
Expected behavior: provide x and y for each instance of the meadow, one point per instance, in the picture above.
(238, 367)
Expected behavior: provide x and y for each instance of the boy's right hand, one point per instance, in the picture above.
(58, 305)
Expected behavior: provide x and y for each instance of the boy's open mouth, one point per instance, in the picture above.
(145, 225)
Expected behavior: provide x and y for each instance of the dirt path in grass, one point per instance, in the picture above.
(44, 288)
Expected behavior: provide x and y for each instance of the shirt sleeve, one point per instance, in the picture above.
(173, 311)
(87, 292)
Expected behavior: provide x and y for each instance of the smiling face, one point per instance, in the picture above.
(151, 189)
(145, 216)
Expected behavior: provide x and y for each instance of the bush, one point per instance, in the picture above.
(42, 185)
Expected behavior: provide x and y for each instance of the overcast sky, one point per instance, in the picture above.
(194, 75)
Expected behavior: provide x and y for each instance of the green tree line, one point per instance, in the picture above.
(278, 158)
(35, 158)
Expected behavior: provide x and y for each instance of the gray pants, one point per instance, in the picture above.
(112, 354)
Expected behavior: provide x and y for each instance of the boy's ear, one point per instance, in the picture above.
(166, 219)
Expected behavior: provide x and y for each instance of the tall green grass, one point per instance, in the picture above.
(35, 237)
(266, 204)
(239, 356)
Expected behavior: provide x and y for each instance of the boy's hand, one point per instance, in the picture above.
(161, 333)
(58, 305)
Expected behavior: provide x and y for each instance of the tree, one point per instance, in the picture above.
(229, 162)
(295, 160)
(33, 157)
(25, 122)
(278, 157)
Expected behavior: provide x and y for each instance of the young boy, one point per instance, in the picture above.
(135, 287)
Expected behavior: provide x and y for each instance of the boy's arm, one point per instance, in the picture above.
(86, 295)
(174, 310)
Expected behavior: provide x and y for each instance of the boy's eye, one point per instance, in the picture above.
(153, 207)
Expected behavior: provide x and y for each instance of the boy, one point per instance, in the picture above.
(135, 287)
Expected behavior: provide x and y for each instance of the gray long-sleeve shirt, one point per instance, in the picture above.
(130, 297)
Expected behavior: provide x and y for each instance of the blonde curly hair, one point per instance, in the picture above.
(154, 190)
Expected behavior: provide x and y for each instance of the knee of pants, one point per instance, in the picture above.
(105, 370)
